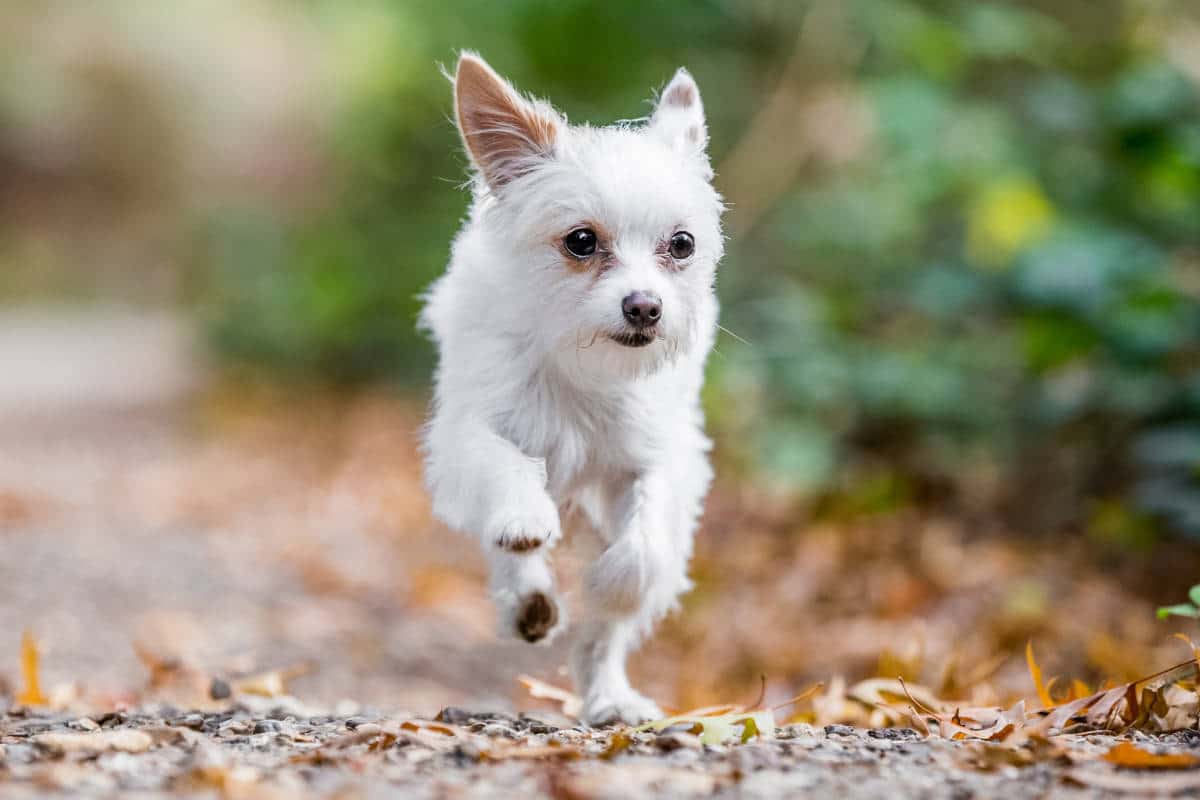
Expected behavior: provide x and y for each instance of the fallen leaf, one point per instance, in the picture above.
(272, 683)
(569, 702)
(617, 744)
(1035, 672)
(504, 751)
(417, 725)
(1142, 783)
(741, 725)
(125, 741)
(710, 711)
(31, 695)
(797, 699)
(1127, 754)
(884, 691)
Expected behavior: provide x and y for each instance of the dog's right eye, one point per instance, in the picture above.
(580, 242)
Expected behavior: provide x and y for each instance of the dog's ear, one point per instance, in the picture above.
(678, 118)
(505, 134)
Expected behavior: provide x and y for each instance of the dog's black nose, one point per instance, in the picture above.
(642, 309)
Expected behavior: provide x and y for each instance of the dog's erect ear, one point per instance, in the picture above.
(678, 117)
(505, 134)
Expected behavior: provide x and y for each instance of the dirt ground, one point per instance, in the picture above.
(284, 752)
(161, 527)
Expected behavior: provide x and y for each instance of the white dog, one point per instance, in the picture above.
(573, 324)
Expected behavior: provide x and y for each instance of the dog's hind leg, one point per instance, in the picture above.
(629, 587)
(522, 586)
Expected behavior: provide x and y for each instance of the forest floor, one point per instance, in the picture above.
(284, 752)
(162, 530)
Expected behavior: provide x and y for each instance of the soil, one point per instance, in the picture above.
(286, 751)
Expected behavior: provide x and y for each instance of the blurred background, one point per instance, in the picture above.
(961, 410)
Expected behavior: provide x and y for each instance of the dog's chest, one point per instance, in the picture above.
(581, 436)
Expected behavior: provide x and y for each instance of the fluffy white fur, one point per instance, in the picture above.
(540, 416)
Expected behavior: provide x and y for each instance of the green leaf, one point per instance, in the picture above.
(722, 728)
(1181, 610)
(749, 729)
(1194, 595)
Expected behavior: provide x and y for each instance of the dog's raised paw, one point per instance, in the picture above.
(521, 542)
(528, 532)
(536, 617)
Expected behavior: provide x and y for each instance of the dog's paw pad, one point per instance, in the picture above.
(537, 617)
(520, 542)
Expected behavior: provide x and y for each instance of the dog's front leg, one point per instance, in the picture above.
(628, 588)
(483, 484)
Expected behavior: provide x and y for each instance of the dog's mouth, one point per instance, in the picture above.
(632, 338)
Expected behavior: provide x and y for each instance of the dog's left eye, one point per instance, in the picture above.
(580, 242)
(682, 246)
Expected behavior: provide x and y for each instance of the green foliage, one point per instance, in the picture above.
(1001, 279)
(1190, 609)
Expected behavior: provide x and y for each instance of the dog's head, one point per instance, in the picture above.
(608, 237)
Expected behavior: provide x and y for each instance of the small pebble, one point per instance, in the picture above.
(496, 729)
(267, 726)
(840, 730)
(235, 726)
(219, 689)
(893, 733)
(677, 740)
(195, 721)
(453, 715)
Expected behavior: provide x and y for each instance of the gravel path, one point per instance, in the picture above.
(278, 749)
(188, 535)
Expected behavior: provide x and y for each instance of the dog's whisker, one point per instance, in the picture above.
(734, 335)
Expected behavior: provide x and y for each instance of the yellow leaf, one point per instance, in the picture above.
(1195, 649)
(619, 743)
(1036, 673)
(718, 729)
(1127, 754)
(1006, 217)
(32, 694)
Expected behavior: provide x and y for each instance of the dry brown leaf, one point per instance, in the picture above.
(417, 725)
(883, 691)
(1194, 647)
(125, 741)
(710, 711)
(799, 698)
(18, 509)
(504, 751)
(988, 756)
(569, 702)
(1035, 672)
(1127, 754)
(32, 694)
(617, 744)
(1144, 784)
(992, 724)
(272, 683)
(162, 669)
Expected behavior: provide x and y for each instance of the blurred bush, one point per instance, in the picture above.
(998, 294)
(965, 244)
